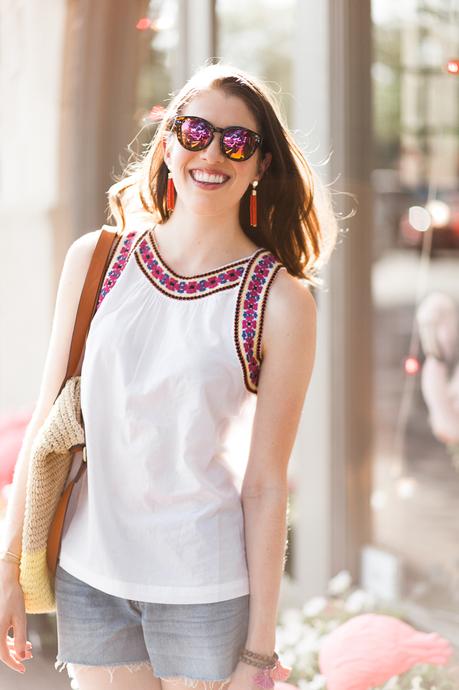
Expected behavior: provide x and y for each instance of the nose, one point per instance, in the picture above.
(213, 152)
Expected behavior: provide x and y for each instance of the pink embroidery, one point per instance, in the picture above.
(117, 265)
(191, 287)
(250, 310)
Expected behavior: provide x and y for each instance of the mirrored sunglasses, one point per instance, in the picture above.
(195, 133)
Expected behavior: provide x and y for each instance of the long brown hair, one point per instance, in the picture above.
(296, 220)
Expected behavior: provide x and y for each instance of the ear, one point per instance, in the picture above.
(265, 163)
(167, 155)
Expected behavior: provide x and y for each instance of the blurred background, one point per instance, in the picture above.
(370, 90)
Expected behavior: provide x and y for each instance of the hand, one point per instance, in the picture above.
(242, 678)
(13, 654)
(13, 615)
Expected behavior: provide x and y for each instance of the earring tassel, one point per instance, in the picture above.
(170, 193)
(253, 208)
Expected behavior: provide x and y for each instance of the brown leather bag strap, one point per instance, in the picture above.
(88, 299)
(103, 252)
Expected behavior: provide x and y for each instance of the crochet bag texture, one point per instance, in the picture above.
(52, 452)
(50, 463)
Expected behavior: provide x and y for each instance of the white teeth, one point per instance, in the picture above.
(201, 176)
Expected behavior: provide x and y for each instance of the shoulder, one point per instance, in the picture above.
(289, 293)
(80, 252)
(81, 249)
(290, 312)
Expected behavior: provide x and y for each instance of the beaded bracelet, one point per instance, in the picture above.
(258, 660)
(271, 668)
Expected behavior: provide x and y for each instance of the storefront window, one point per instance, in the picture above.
(258, 36)
(155, 84)
(415, 498)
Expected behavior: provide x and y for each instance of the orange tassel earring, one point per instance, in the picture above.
(253, 205)
(170, 192)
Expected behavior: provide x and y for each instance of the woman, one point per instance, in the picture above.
(203, 340)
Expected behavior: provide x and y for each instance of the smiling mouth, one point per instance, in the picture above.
(209, 183)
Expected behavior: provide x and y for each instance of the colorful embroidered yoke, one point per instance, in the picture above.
(169, 374)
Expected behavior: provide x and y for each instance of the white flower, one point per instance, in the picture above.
(291, 615)
(392, 683)
(416, 683)
(308, 643)
(289, 658)
(306, 670)
(280, 638)
(292, 634)
(303, 684)
(321, 641)
(332, 624)
(314, 606)
(340, 583)
(359, 601)
(317, 683)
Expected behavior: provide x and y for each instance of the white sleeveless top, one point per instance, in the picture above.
(168, 396)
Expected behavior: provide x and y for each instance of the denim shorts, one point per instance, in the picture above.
(188, 642)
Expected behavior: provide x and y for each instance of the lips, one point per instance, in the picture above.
(209, 172)
(208, 186)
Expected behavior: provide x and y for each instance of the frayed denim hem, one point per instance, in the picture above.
(111, 668)
(194, 683)
(136, 666)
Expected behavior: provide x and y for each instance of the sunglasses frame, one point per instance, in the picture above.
(177, 125)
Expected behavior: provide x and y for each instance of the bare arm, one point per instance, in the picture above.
(73, 273)
(289, 341)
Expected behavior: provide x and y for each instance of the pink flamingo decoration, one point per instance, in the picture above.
(369, 649)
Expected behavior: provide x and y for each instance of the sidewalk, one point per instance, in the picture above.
(40, 675)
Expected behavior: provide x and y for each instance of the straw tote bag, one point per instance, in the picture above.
(53, 450)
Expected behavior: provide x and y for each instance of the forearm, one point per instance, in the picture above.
(11, 529)
(265, 525)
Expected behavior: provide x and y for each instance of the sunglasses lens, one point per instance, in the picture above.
(194, 133)
(239, 144)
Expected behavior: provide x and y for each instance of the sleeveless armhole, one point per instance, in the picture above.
(249, 315)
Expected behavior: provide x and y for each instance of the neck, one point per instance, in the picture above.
(206, 238)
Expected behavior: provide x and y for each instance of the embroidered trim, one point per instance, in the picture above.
(249, 316)
(117, 263)
(187, 287)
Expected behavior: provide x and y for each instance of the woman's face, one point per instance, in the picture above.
(222, 111)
